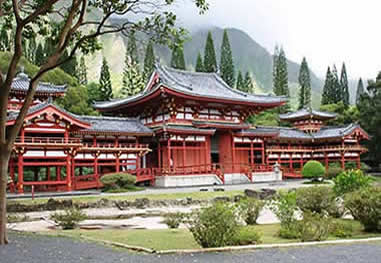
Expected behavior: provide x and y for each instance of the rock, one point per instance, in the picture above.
(219, 189)
(252, 193)
(203, 189)
(53, 204)
(267, 193)
(221, 199)
(141, 203)
(238, 198)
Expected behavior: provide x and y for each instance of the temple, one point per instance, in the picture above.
(184, 128)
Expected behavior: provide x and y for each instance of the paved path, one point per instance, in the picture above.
(37, 249)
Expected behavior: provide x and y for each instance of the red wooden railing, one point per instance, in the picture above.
(316, 149)
(113, 145)
(47, 140)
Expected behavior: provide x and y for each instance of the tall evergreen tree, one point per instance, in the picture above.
(344, 86)
(82, 71)
(240, 85)
(132, 50)
(325, 99)
(25, 47)
(178, 60)
(70, 67)
(105, 82)
(133, 81)
(360, 91)
(210, 61)
(40, 55)
(336, 90)
(199, 63)
(280, 75)
(32, 50)
(248, 83)
(4, 39)
(227, 65)
(305, 85)
(149, 61)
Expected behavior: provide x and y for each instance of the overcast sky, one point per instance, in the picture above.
(325, 31)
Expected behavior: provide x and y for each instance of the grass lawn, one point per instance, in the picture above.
(167, 239)
(169, 196)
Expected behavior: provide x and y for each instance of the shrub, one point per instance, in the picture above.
(214, 226)
(342, 229)
(314, 227)
(350, 181)
(365, 206)
(313, 170)
(318, 199)
(332, 172)
(247, 236)
(118, 181)
(284, 207)
(249, 209)
(69, 219)
(174, 220)
(290, 231)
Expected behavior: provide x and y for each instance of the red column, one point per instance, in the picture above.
(233, 153)
(263, 152)
(326, 160)
(96, 169)
(20, 179)
(169, 152)
(159, 154)
(117, 163)
(184, 153)
(358, 162)
(68, 172)
(251, 154)
(58, 173)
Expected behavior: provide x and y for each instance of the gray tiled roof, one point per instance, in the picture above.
(260, 131)
(332, 132)
(21, 83)
(220, 123)
(208, 85)
(307, 113)
(113, 124)
(184, 128)
(13, 115)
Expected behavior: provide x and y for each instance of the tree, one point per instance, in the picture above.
(199, 63)
(305, 85)
(210, 61)
(105, 81)
(31, 19)
(336, 90)
(4, 39)
(344, 85)
(226, 64)
(93, 92)
(240, 82)
(40, 55)
(149, 61)
(133, 81)
(360, 91)
(248, 83)
(280, 76)
(82, 71)
(132, 50)
(70, 66)
(177, 59)
(32, 50)
(76, 100)
(325, 98)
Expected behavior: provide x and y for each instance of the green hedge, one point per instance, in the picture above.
(313, 170)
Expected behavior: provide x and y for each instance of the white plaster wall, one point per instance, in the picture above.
(236, 178)
(187, 180)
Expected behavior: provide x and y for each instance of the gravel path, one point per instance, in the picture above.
(37, 249)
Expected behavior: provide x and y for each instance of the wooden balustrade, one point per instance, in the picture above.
(47, 140)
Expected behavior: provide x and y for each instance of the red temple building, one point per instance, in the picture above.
(185, 128)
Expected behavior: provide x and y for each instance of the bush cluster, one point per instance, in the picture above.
(174, 220)
(314, 227)
(313, 170)
(249, 209)
(317, 199)
(118, 181)
(69, 219)
(350, 181)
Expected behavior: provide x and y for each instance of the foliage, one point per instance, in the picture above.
(93, 92)
(280, 76)
(249, 209)
(332, 90)
(210, 60)
(350, 181)
(105, 82)
(313, 170)
(248, 86)
(118, 181)
(265, 118)
(342, 229)
(305, 85)
(359, 91)
(247, 236)
(227, 70)
(316, 199)
(149, 61)
(4, 39)
(174, 220)
(40, 55)
(82, 72)
(178, 59)
(284, 207)
(69, 219)
(76, 100)
(314, 227)
(344, 86)
(214, 226)
(133, 82)
(132, 50)
(345, 115)
(240, 82)
(199, 63)
(71, 66)
(365, 206)
(333, 171)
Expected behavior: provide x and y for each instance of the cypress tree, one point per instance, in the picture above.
(4, 40)
(132, 50)
(149, 61)
(360, 91)
(280, 76)
(248, 83)
(344, 86)
(327, 89)
(210, 61)
(133, 81)
(178, 60)
(226, 63)
(336, 92)
(40, 55)
(82, 72)
(70, 67)
(25, 47)
(32, 50)
(240, 85)
(105, 82)
(199, 63)
(305, 85)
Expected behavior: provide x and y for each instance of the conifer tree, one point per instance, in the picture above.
(149, 61)
(178, 60)
(133, 81)
(105, 82)
(336, 91)
(82, 72)
(344, 86)
(70, 67)
(360, 91)
(275, 64)
(226, 64)
(210, 61)
(240, 85)
(25, 47)
(4, 40)
(199, 63)
(40, 55)
(305, 85)
(328, 88)
(280, 81)
(248, 83)
(132, 50)
(32, 50)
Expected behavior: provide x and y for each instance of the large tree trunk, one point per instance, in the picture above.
(4, 159)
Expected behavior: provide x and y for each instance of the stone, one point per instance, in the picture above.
(221, 199)
(238, 198)
(204, 190)
(267, 193)
(252, 193)
(141, 203)
(219, 189)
